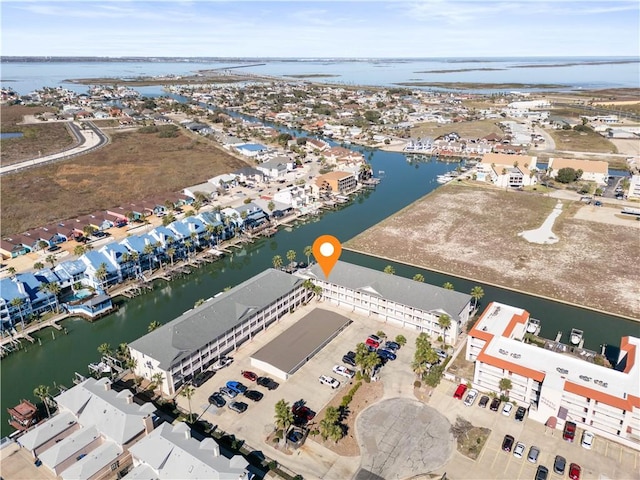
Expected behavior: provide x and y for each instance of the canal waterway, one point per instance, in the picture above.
(56, 359)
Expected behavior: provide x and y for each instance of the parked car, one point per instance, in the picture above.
(236, 386)
(459, 393)
(372, 343)
(471, 397)
(518, 451)
(254, 395)
(217, 400)
(386, 354)
(574, 471)
(349, 360)
(267, 383)
(239, 407)
(483, 401)
(559, 464)
(228, 392)
(441, 353)
(393, 346)
(495, 404)
(350, 354)
(371, 348)
(327, 380)
(534, 453)
(201, 378)
(222, 362)
(587, 439)
(344, 371)
(376, 339)
(542, 473)
(506, 410)
(569, 431)
(249, 375)
(301, 411)
(53, 248)
(507, 443)
(520, 413)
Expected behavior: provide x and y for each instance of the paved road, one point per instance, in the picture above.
(88, 141)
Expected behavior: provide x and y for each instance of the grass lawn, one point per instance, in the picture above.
(133, 167)
(38, 139)
(473, 129)
(582, 141)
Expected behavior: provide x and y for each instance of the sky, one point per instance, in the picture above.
(326, 29)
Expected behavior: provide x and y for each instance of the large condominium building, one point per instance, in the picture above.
(558, 382)
(192, 342)
(337, 182)
(394, 299)
(506, 170)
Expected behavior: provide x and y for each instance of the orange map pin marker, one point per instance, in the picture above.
(327, 250)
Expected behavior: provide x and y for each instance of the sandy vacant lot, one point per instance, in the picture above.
(472, 231)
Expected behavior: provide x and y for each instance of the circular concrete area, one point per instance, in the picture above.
(401, 438)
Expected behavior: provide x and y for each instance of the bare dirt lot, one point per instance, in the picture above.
(474, 129)
(472, 231)
(133, 167)
(37, 140)
(582, 141)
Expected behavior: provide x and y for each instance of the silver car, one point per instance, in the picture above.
(533, 454)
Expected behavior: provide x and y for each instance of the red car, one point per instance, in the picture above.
(249, 375)
(459, 393)
(574, 471)
(569, 431)
(302, 412)
(372, 343)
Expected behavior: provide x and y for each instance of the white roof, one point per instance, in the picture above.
(171, 452)
(95, 460)
(47, 430)
(65, 449)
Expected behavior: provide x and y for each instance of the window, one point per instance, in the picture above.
(115, 465)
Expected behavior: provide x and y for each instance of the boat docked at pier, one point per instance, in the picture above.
(533, 326)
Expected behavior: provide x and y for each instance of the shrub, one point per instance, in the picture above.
(417, 384)
(148, 129)
(272, 465)
(346, 400)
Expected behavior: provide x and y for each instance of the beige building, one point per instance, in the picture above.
(592, 170)
(337, 182)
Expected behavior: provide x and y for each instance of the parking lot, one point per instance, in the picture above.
(312, 460)
(607, 460)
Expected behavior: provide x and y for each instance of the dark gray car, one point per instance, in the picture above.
(559, 464)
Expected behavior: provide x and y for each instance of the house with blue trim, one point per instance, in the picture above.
(93, 260)
(70, 272)
(25, 286)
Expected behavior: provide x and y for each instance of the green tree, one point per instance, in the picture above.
(291, 256)
(283, 415)
(568, 175)
(38, 266)
(400, 340)
(433, 376)
(187, 392)
(365, 359)
(271, 206)
(447, 285)
(104, 349)
(505, 385)
(51, 259)
(444, 322)
(42, 392)
(477, 293)
(157, 379)
(123, 351)
(277, 262)
(11, 271)
(153, 326)
(419, 368)
(308, 251)
(18, 302)
(148, 251)
(54, 289)
(418, 277)
(390, 270)
(101, 274)
(171, 252)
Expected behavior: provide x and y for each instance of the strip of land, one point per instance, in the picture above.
(455, 70)
(472, 231)
(479, 86)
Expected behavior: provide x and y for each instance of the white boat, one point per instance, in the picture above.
(100, 368)
(446, 178)
(576, 336)
(533, 326)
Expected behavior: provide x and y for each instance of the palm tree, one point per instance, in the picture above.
(188, 392)
(197, 205)
(11, 271)
(131, 364)
(38, 266)
(418, 277)
(505, 385)
(149, 250)
(42, 392)
(419, 367)
(153, 326)
(308, 251)
(79, 250)
(444, 322)
(188, 244)
(329, 422)
(390, 270)
(123, 351)
(277, 262)
(104, 349)
(477, 293)
(17, 302)
(157, 378)
(101, 274)
(291, 256)
(283, 415)
(400, 340)
(135, 256)
(271, 206)
(219, 230)
(41, 245)
(365, 359)
(51, 259)
(171, 253)
(447, 285)
(210, 229)
(52, 288)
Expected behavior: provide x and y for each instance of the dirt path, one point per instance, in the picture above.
(472, 231)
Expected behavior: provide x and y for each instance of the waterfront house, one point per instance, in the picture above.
(336, 182)
(69, 273)
(393, 299)
(275, 168)
(90, 436)
(249, 175)
(21, 296)
(191, 343)
(556, 382)
(592, 170)
(294, 197)
(94, 260)
(507, 170)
